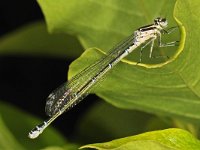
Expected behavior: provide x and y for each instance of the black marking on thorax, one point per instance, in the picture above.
(146, 28)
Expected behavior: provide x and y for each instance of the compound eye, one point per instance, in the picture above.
(157, 19)
(163, 20)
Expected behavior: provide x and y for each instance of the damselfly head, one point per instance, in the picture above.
(161, 21)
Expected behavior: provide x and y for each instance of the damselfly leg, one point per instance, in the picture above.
(158, 36)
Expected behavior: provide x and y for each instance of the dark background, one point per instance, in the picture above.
(26, 81)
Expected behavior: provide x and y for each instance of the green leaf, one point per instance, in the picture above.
(7, 140)
(19, 124)
(169, 139)
(67, 147)
(53, 148)
(102, 23)
(104, 122)
(172, 90)
(33, 39)
(141, 145)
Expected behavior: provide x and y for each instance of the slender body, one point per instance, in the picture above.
(72, 92)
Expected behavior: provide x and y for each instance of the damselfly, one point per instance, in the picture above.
(72, 92)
